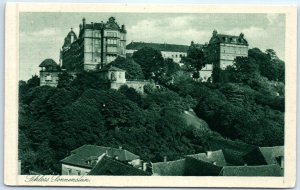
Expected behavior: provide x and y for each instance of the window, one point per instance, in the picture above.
(78, 172)
(112, 34)
(69, 171)
(112, 41)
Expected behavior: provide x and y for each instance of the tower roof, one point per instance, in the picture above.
(68, 40)
(48, 63)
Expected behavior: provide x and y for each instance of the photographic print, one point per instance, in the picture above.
(109, 94)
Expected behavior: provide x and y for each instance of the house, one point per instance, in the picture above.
(49, 73)
(83, 159)
(109, 166)
(116, 78)
(96, 45)
(233, 151)
(266, 156)
(214, 157)
(172, 51)
(188, 166)
(264, 170)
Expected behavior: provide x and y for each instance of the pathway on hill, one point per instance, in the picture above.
(192, 119)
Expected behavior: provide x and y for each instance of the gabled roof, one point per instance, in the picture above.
(185, 167)
(271, 153)
(88, 155)
(233, 151)
(264, 170)
(48, 63)
(110, 166)
(216, 157)
(264, 155)
(158, 47)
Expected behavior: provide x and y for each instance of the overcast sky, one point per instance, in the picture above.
(42, 34)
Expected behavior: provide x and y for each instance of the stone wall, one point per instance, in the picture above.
(137, 85)
(49, 78)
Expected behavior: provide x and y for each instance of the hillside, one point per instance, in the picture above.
(193, 120)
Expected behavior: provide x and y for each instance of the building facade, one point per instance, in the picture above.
(223, 49)
(172, 51)
(116, 78)
(96, 45)
(49, 73)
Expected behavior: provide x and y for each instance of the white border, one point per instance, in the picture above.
(11, 97)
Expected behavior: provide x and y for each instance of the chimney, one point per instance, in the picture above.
(165, 159)
(123, 27)
(83, 22)
(72, 36)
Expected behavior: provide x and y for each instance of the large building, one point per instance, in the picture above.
(222, 51)
(173, 51)
(96, 45)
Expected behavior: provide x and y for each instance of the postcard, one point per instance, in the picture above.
(150, 95)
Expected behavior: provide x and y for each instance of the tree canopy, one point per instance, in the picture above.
(133, 70)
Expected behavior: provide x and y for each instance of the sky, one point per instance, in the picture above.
(42, 34)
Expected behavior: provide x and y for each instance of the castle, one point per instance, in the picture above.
(98, 44)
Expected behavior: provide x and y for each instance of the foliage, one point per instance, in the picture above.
(245, 104)
(150, 60)
(133, 70)
(195, 59)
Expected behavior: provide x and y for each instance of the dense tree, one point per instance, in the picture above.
(64, 80)
(246, 104)
(195, 59)
(150, 60)
(133, 70)
(269, 64)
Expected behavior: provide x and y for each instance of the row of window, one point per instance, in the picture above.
(174, 56)
(77, 172)
(111, 34)
(111, 41)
